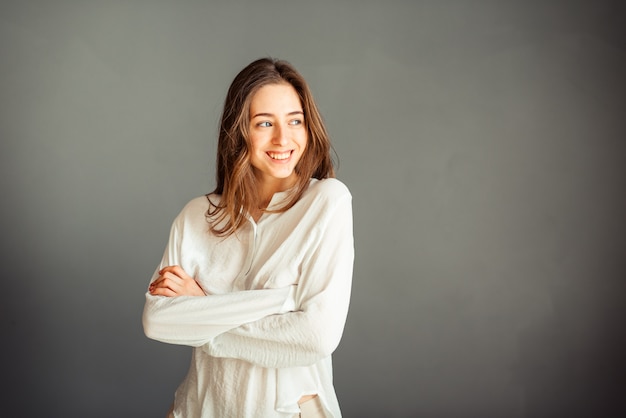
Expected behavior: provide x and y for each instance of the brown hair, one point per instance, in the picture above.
(236, 182)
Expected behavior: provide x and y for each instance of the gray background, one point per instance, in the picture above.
(483, 143)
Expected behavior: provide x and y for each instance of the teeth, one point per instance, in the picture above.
(279, 155)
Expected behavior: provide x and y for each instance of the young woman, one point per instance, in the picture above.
(256, 276)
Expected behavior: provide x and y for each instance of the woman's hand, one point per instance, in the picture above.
(174, 281)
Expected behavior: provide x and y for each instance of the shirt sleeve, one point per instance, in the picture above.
(195, 320)
(313, 332)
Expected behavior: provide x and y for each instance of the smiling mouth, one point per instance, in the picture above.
(279, 155)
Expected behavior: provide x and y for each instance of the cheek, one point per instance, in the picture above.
(255, 143)
(304, 140)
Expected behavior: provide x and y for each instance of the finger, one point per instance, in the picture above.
(171, 283)
(164, 269)
(177, 270)
(173, 278)
(157, 282)
(163, 291)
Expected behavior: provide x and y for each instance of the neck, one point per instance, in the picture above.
(266, 193)
(267, 189)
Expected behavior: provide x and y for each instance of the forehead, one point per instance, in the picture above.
(275, 96)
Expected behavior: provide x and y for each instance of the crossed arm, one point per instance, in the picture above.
(177, 311)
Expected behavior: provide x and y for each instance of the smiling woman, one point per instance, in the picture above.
(238, 183)
(257, 275)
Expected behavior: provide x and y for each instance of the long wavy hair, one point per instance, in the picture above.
(236, 182)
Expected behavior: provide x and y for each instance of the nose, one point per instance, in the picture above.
(280, 135)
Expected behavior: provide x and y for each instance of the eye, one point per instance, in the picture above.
(295, 122)
(265, 124)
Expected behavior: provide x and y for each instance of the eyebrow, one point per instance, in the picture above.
(295, 112)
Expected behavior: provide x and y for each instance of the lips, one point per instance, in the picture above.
(278, 156)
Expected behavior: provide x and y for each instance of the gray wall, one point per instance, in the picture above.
(483, 143)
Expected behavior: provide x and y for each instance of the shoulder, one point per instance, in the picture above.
(326, 202)
(324, 197)
(200, 203)
(330, 188)
(196, 208)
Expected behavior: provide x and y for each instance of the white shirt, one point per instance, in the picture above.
(278, 291)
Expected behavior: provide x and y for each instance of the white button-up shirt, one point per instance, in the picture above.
(278, 294)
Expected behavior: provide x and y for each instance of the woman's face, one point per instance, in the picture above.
(278, 136)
